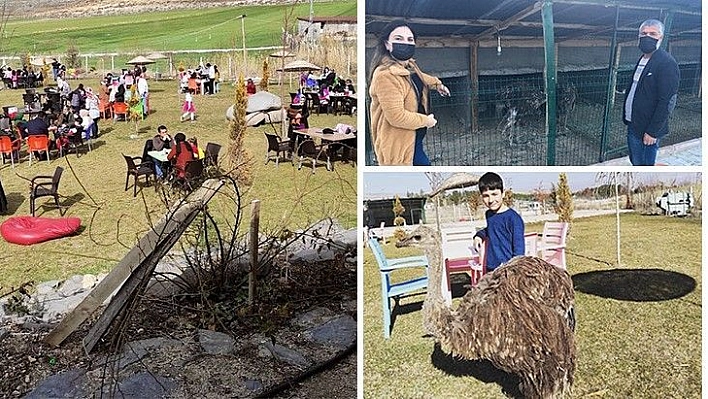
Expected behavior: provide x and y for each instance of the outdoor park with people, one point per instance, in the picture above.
(135, 157)
(608, 306)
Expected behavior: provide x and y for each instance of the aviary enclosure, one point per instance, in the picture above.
(504, 62)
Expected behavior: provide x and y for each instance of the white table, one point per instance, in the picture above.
(160, 155)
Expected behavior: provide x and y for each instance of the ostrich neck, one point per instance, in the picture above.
(433, 252)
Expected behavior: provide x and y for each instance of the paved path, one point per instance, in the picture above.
(687, 153)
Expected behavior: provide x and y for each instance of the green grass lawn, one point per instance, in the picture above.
(211, 28)
(93, 188)
(634, 338)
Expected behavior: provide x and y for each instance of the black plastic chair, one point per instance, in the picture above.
(136, 170)
(308, 149)
(315, 104)
(193, 172)
(211, 154)
(46, 186)
(277, 145)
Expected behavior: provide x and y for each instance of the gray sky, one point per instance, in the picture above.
(387, 184)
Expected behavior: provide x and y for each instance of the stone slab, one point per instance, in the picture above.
(67, 384)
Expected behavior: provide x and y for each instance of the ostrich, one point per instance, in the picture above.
(520, 317)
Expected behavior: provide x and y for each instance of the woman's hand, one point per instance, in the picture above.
(443, 90)
(431, 121)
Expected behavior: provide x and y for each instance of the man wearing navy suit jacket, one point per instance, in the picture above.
(651, 96)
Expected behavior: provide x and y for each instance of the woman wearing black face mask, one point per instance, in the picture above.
(650, 96)
(399, 99)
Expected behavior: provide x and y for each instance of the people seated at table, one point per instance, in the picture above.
(324, 95)
(311, 81)
(349, 87)
(250, 87)
(296, 121)
(162, 140)
(37, 126)
(298, 98)
(180, 154)
(70, 132)
(328, 77)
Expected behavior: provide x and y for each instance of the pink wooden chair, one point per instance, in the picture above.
(459, 257)
(551, 246)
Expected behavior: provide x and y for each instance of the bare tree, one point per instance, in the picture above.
(613, 178)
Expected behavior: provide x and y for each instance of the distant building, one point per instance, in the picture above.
(344, 27)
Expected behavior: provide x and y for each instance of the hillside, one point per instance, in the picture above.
(25, 9)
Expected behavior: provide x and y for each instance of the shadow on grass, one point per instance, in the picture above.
(399, 309)
(638, 285)
(482, 370)
(14, 200)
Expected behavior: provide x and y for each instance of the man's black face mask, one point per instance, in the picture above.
(647, 44)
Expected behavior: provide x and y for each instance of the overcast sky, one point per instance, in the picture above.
(388, 184)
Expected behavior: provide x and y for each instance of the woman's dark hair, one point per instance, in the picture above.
(380, 50)
(180, 139)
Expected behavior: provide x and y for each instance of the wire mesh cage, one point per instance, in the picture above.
(505, 123)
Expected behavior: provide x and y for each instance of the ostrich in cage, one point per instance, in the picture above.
(520, 317)
(567, 96)
(523, 102)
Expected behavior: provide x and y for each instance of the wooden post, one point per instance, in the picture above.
(253, 248)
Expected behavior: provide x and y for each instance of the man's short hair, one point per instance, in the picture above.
(653, 22)
(161, 128)
(490, 181)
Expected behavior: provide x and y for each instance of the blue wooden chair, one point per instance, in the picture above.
(398, 290)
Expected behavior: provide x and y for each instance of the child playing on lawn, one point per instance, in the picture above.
(188, 108)
(504, 233)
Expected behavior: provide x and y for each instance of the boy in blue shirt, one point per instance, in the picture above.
(504, 233)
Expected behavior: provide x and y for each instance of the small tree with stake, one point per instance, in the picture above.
(263, 85)
(563, 201)
(241, 160)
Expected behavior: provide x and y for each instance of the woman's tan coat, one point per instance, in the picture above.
(394, 110)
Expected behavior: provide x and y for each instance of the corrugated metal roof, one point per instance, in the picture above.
(522, 18)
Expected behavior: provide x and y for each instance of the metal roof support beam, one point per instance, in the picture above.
(615, 50)
(474, 79)
(532, 9)
(605, 3)
(550, 78)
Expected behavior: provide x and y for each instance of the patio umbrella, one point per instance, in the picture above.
(456, 181)
(156, 56)
(140, 60)
(282, 54)
(299, 66)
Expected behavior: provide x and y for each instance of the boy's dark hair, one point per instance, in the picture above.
(161, 127)
(490, 181)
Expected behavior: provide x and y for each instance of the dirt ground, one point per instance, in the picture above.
(25, 360)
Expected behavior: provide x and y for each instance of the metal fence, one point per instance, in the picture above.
(508, 125)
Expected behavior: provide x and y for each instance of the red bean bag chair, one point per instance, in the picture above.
(28, 230)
